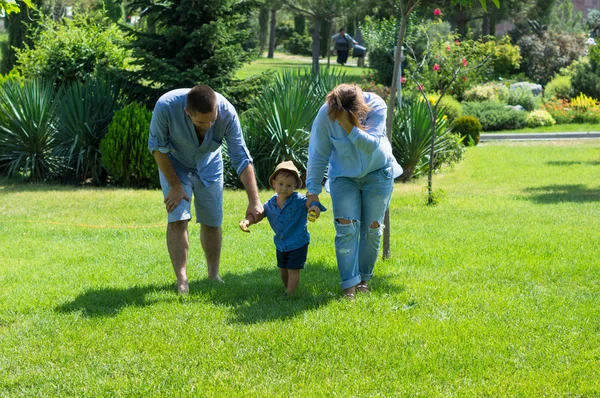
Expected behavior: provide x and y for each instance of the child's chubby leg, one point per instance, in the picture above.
(284, 276)
(292, 281)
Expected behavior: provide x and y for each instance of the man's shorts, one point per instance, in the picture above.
(294, 259)
(208, 200)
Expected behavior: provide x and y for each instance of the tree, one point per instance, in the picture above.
(10, 7)
(21, 18)
(319, 11)
(406, 9)
(195, 41)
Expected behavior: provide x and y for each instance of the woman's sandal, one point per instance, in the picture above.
(363, 288)
(348, 296)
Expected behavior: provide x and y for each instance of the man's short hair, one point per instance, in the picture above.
(201, 99)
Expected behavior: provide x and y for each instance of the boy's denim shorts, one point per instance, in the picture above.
(294, 259)
(208, 199)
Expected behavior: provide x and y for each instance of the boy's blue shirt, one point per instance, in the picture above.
(289, 222)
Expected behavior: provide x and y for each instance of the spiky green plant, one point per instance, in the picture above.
(28, 130)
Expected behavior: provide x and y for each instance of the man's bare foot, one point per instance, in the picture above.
(216, 279)
(183, 287)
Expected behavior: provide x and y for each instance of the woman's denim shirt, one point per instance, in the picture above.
(172, 132)
(351, 155)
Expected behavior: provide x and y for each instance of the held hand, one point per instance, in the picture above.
(313, 213)
(310, 199)
(244, 224)
(255, 212)
(174, 197)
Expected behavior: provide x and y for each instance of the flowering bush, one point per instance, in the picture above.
(486, 92)
(584, 103)
(563, 112)
(540, 118)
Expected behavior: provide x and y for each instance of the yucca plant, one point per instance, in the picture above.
(28, 130)
(85, 111)
(411, 137)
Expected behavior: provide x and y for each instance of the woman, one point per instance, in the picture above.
(349, 134)
(343, 44)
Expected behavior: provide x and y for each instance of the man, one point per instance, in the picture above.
(343, 43)
(186, 132)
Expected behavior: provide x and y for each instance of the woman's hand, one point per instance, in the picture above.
(343, 119)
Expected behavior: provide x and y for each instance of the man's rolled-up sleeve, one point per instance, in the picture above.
(236, 146)
(159, 130)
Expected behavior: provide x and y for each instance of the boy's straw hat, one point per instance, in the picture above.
(287, 165)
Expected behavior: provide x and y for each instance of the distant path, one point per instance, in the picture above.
(538, 136)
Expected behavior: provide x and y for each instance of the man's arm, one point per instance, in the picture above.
(255, 209)
(176, 193)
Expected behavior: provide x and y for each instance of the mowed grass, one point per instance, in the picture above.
(557, 128)
(283, 61)
(493, 292)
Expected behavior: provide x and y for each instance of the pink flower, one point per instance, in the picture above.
(402, 80)
(421, 87)
(464, 62)
(437, 12)
(436, 67)
(464, 78)
(447, 48)
(457, 42)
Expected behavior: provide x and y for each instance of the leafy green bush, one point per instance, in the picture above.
(242, 92)
(523, 97)
(125, 148)
(411, 139)
(85, 111)
(559, 87)
(380, 37)
(298, 44)
(540, 118)
(586, 79)
(485, 92)
(71, 49)
(452, 108)
(495, 115)
(28, 130)
(454, 153)
(469, 128)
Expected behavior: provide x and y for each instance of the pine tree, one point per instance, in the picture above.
(191, 42)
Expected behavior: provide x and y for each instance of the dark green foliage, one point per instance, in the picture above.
(194, 41)
(495, 115)
(380, 38)
(277, 127)
(325, 38)
(297, 44)
(19, 25)
(586, 79)
(300, 24)
(382, 62)
(28, 130)
(469, 128)
(85, 112)
(125, 148)
(71, 49)
(283, 31)
(411, 138)
(523, 97)
(242, 92)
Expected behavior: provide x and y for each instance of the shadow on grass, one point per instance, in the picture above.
(563, 193)
(8, 186)
(253, 297)
(573, 163)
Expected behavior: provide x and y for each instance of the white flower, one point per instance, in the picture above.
(590, 41)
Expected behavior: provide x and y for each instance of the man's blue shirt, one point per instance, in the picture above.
(289, 222)
(172, 132)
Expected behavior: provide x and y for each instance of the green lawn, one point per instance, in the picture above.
(493, 292)
(282, 61)
(557, 128)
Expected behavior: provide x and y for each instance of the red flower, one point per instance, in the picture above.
(464, 78)
(436, 67)
(457, 42)
(447, 48)
(402, 80)
(421, 87)
(437, 12)
(464, 62)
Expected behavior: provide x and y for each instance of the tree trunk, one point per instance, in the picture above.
(486, 25)
(325, 37)
(461, 23)
(17, 25)
(263, 26)
(272, 32)
(316, 45)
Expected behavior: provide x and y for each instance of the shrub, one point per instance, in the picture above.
(485, 92)
(71, 49)
(469, 128)
(380, 37)
(559, 87)
(584, 103)
(411, 139)
(495, 115)
(563, 111)
(586, 79)
(540, 118)
(28, 130)
(379, 89)
(523, 97)
(452, 108)
(85, 111)
(125, 148)
(298, 44)
(454, 152)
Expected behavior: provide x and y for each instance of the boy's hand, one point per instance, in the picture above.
(244, 225)
(317, 212)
